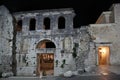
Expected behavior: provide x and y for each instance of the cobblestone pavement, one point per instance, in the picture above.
(101, 77)
(98, 73)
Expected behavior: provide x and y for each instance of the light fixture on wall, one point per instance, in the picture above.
(102, 50)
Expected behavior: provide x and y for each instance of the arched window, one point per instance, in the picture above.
(32, 24)
(19, 26)
(46, 23)
(61, 23)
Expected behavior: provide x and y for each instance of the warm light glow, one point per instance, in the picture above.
(103, 57)
(102, 50)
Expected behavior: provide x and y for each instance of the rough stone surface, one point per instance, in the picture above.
(7, 74)
(25, 45)
(64, 39)
(68, 74)
(81, 71)
(6, 39)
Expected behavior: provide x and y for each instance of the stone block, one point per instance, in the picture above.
(7, 74)
(80, 71)
(68, 74)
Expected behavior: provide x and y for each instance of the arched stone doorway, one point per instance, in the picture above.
(45, 57)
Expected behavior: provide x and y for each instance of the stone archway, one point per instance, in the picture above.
(45, 57)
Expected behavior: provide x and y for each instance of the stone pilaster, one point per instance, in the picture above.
(39, 22)
(25, 25)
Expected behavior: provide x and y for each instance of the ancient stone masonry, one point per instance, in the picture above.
(107, 34)
(63, 37)
(45, 42)
(6, 40)
(84, 48)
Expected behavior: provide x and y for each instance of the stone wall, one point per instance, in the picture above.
(22, 45)
(64, 40)
(116, 11)
(26, 47)
(6, 39)
(105, 17)
(106, 35)
(26, 41)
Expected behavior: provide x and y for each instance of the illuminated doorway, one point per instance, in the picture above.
(45, 64)
(103, 55)
(45, 57)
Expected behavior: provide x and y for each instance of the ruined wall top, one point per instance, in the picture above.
(104, 18)
(49, 12)
(115, 8)
(114, 5)
(111, 16)
(52, 19)
(3, 10)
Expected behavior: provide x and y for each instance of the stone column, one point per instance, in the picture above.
(25, 25)
(39, 22)
(107, 18)
(54, 22)
(69, 21)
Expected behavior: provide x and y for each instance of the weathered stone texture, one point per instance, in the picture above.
(116, 9)
(105, 17)
(27, 41)
(102, 32)
(91, 57)
(108, 35)
(25, 45)
(6, 39)
(83, 48)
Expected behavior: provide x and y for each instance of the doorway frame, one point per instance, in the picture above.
(104, 44)
(107, 59)
(38, 63)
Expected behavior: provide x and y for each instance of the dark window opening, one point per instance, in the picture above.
(32, 24)
(50, 45)
(47, 23)
(19, 26)
(61, 23)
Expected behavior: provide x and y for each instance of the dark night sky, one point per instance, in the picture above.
(87, 11)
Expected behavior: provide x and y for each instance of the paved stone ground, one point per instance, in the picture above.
(102, 77)
(98, 73)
